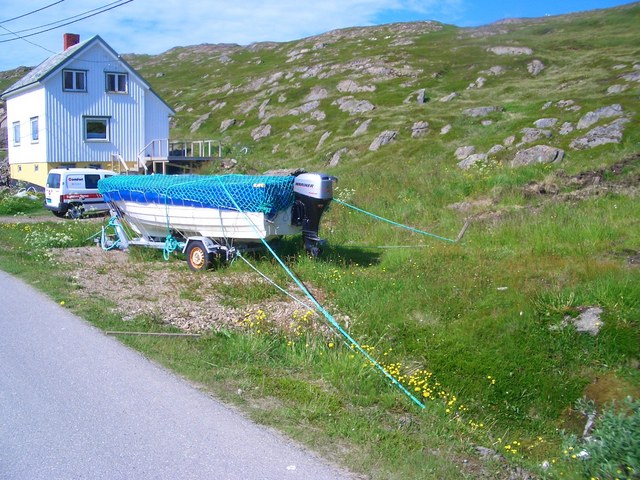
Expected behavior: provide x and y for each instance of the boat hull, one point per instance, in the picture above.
(152, 220)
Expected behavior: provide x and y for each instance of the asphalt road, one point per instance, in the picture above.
(76, 404)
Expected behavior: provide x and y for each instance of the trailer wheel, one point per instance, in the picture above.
(76, 210)
(198, 258)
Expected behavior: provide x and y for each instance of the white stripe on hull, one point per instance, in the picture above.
(155, 220)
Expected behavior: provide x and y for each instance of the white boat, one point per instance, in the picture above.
(217, 212)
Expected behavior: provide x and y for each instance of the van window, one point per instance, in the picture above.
(53, 180)
(91, 181)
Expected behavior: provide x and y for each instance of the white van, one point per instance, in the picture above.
(74, 191)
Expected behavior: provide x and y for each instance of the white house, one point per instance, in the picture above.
(84, 106)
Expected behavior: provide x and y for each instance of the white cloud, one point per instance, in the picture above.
(152, 26)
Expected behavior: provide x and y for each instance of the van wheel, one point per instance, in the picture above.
(198, 258)
(75, 211)
(59, 214)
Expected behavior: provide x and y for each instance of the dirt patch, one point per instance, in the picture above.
(169, 293)
(590, 183)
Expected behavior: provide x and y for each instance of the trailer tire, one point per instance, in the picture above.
(76, 210)
(198, 258)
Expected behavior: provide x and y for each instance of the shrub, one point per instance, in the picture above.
(613, 451)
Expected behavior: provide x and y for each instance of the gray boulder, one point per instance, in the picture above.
(353, 106)
(463, 152)
(545, 122)
(495, 149)
(479, 83)
(632, 77)
(419, 129)
(383, 139)
(419, 95)
(590, 118)
(226, 124)
(471, 160)
(349, 86)
(317, 93)
(305, 108)
(613, 89)
(318, 115)
(611, 133)
(496, 70)
(535, 67)
(337, 156)
(510, 50)
(446, 129)
(261, 132)
(448, 98)
(198, 123)
(530, 135)
(323, 139)
(566, 128)
(510, 140)
(537, 154)
(481, 111)
(362, 128)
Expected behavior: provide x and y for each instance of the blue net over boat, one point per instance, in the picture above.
(252, 193)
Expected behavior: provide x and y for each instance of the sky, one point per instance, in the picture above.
(154, 26)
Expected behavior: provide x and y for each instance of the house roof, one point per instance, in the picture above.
(53, 63)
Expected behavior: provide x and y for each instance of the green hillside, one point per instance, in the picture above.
(491, 332)
(489, 317)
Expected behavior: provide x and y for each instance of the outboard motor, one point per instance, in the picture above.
(313, 193)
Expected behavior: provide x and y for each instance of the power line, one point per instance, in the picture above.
(60, 21)
(28, 41)
(31, 12)
(103, 10)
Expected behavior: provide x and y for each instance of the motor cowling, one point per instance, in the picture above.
(313, 193)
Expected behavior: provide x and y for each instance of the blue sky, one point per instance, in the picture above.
(154, 26)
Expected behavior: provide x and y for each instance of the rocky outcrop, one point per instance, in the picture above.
(535, 67)
(317, 93)
(478, 83)
(198, 123)
(337, 156)
(448, 98)
(537, 154)
(362, 128)
(226, 124)
(304, 108)
(463, 152)
(353, 106)
(611, 133)
(383, 139)
(530, 135)
(510, 50)
(545, 122)
(261, 132)
(590, 118)
(349, 86)
(481, 111)
(419, 129)
(471, 160)
(323, 139)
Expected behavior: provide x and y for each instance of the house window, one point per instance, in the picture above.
(96, 129)
(35, 134)
(74, 80)
(116, 82)
(16, 133)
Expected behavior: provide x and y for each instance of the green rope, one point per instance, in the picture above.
(350, 341)
(422, 232)
(170, 246)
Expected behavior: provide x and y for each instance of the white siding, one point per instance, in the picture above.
(22, 108)
(135, 118)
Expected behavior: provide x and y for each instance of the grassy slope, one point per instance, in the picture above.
(440, 307)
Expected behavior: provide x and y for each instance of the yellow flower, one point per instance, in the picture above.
(330, 344)
(62, 302)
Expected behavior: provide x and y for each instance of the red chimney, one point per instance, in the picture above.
(71, 39)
